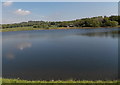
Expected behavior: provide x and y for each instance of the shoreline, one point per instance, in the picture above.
(29, 28)
(58, 81)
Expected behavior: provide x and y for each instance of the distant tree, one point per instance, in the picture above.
(63, 24)
(113, 23)
(113, 18)
(35, 26)
(99, 21)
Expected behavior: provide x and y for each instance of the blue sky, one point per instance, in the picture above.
(14, 12)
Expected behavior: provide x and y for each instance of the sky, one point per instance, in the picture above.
(14, 12)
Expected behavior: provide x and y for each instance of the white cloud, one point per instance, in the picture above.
(22, 12)
(8, 3)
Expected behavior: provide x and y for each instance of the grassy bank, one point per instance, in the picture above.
(19, 29)
(69, 81)
(31, 28)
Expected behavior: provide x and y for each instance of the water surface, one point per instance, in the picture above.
(78, 54)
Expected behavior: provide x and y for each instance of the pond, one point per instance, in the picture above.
(66, 54)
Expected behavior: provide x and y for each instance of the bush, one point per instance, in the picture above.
(35, 26)
(111, 23)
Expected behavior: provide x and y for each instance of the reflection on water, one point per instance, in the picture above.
(113, 34)
(10, 56)
(22, 46)
(78, 54)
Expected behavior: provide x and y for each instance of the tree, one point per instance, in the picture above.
(35, 26)
(113, 23)
(85, 22)
(113, 18)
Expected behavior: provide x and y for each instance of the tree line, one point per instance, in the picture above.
(100, 21)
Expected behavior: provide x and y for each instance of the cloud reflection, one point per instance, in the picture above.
(21, 46)
(24, 45)
(10, 56)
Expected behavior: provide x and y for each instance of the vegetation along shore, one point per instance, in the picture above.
(93, 22)
(15, 81)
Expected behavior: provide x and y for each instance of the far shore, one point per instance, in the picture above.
(31, 28)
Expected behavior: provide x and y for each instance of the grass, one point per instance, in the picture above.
(69, 81)
(31, 28)
(19, 29)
